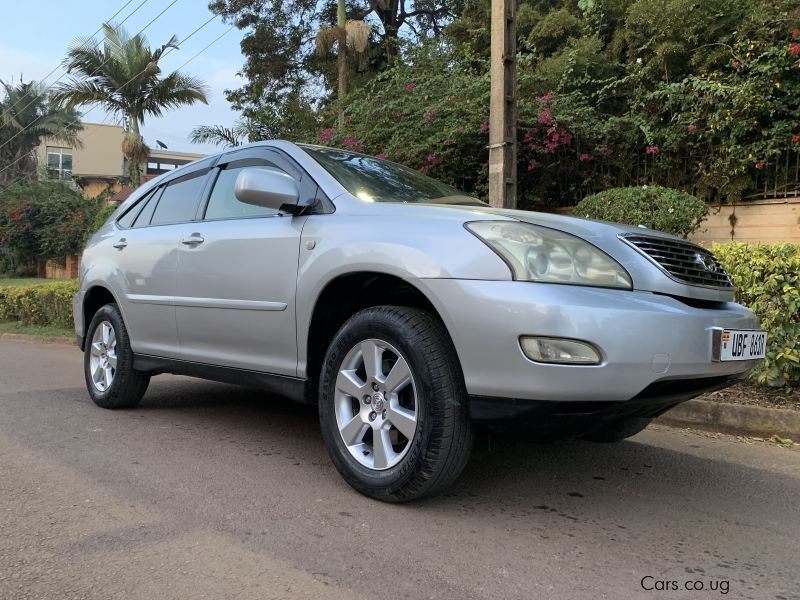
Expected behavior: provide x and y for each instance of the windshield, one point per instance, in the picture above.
(376, 180)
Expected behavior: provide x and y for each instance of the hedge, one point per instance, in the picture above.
(40, 304)
(656, 207)
(767, 280)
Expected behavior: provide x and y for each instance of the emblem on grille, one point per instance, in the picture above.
(704, 261)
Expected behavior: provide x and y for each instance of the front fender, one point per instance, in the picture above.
(408, 248)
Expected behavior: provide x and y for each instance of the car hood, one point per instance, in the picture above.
(646, 274)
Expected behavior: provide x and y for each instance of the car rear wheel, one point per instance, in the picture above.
(108, 362)
(393, 406)
(616, 432)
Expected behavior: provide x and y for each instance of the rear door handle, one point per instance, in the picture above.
(120, 244)
(193, 240)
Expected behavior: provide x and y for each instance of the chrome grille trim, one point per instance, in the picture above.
(682, 261)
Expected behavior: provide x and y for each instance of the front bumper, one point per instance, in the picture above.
(644, 338)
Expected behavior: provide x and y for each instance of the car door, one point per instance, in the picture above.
(237, 275)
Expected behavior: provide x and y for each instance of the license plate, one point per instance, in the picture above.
(739, 344)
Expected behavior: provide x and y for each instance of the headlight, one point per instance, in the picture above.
(537, 253)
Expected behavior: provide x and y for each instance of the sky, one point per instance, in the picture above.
(35, 35)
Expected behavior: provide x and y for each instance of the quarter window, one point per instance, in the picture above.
(223, 203)
(178, 201)
(143, 220)
(59, 163)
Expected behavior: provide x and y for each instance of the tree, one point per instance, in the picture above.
(280, 38)
(124, 77)
(27, 116)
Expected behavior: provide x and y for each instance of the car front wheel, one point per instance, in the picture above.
(393, 406)
(108, 362)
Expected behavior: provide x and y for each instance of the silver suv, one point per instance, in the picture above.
(405, 309)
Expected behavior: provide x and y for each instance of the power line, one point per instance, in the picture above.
(97, 70)
(214, 41)
(57, 67)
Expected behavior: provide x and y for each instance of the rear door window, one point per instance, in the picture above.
(179, 200)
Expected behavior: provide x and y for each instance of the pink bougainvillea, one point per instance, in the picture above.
(411, 86)
(545, 118)
(795, 138)
(431, 158)
(381, 155)
(652, 150)
(448, 142)
(428, 116)
(760, 165)
(327, 135)
(484, 127)
(585, 157)
(691, 127)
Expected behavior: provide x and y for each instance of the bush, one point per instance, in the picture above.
(41, 219)
(767, 280)
(102, 216)
(39, 304)
(658, 208)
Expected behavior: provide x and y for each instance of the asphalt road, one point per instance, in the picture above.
(213, 491)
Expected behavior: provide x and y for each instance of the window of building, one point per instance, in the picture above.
(59, 163)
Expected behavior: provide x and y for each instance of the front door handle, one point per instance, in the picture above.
(120, 243)
(193, 240)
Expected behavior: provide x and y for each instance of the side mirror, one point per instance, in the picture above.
(268, 188)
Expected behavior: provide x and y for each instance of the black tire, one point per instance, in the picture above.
(616, 432)
(442, 444)
(127, 386)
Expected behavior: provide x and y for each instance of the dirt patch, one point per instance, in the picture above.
(756, 395)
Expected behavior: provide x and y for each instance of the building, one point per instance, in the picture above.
(96, 163)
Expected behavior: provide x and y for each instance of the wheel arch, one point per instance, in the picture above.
(94, 298)
(345, 295)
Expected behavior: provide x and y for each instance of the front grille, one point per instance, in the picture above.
(683, 261)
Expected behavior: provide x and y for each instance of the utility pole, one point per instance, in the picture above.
(503, 106)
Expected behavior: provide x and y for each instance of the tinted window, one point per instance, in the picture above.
(377, 180)
(178, 201)
(143, 220)
(223, 203)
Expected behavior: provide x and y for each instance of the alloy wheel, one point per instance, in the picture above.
(376, 404)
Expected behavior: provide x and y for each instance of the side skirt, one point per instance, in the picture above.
(293, 388)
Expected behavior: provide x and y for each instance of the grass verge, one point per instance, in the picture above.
(37, 330)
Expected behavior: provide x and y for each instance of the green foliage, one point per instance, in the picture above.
(659, 208)
(102, 216)
(429, 115)
(767, 280)
(42, 219)
(39, 304)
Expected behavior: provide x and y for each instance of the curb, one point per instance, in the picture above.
(756, 421)
(38, 339)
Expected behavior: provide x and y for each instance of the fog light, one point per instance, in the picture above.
(558, 350)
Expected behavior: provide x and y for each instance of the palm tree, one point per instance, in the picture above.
(219, 135)
(27, 116)
(126, 80)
